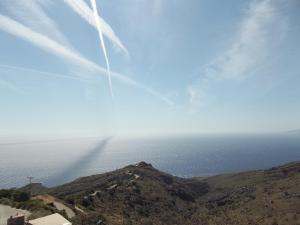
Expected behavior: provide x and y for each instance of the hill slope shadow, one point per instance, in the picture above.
(74, 169)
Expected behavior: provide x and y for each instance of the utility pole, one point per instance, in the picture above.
(30, 185)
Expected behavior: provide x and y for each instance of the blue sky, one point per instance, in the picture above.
(197, 66)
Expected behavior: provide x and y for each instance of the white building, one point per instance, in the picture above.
(54, 219)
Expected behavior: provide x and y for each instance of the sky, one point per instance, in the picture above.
(143, 67)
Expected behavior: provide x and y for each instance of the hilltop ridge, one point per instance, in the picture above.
(141, 194)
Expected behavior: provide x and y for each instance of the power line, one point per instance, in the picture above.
(30, 185)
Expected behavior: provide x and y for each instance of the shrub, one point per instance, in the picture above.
(86, 202)
(70, 200)
(20, 196)
(5, 201)
(5, 193)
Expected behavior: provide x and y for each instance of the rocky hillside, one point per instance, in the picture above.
(140, 194)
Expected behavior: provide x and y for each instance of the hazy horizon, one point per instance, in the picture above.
(57, 161)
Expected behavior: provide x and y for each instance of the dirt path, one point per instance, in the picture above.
(79, 209)
(61, 206)
(47, 199)
(7, 211)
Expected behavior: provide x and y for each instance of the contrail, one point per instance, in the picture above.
(45, 43)
(18, 90)
(44, 73)
(149, 90)
(84, 11)
(32, 14)
(12, 87)
(96, 15)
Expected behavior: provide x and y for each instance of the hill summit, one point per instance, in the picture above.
(142, 195)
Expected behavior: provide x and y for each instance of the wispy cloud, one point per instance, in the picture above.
(251, 45)
(96, 16)
(198, 97)
(15, 28)
(157, 6)
(84, 11)
(250, 51)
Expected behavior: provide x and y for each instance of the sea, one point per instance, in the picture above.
(57, 161)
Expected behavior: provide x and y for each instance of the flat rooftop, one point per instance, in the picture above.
(54, 219)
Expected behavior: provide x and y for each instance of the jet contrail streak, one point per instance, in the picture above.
(84, 11)
(45, 43)
(44, 73)
(33, 14)
(96, 15)
(151, 91)
(10, 86)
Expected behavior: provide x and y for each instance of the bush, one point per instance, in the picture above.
(86, 202)
(70, 200)
(4, 193)
(5, 201)
(20, 196)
